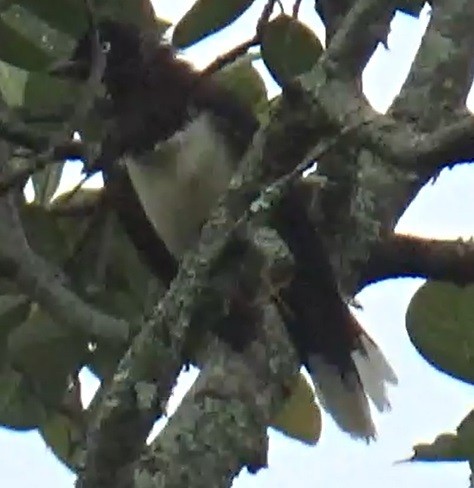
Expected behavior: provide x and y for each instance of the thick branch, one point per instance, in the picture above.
(439, 81)
(366, 24)
(332, 13)
(411, 256)
(301, 121)
(221, 425)
(391, 159)
(224, 418)
(156, 354)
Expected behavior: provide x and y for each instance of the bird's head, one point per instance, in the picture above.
(124, 47)
(154, 93)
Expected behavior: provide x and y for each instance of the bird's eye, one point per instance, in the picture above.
(106, 46)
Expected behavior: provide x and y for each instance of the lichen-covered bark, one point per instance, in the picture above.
(194, 449)
(373, 165)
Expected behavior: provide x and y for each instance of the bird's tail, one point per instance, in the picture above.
(344, 394)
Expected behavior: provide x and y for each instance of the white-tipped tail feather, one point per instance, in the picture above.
(374, 372)
(345, 397)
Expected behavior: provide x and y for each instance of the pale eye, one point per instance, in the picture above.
(106, 46)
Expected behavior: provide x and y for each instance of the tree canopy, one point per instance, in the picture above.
(75, 291)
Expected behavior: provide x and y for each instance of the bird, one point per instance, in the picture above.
(161, 105)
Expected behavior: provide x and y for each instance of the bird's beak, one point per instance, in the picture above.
(70, 68)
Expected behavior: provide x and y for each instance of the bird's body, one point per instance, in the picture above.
(181, 137)
(175, 196)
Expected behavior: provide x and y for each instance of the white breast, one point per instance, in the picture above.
(180, 183)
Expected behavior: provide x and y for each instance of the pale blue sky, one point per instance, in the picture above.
(426, 401)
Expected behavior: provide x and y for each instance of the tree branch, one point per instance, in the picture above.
(45, 285)
(419, 102)
(411, 256)
(221, 425)
(298, 124)
(155, 357)
(224, 417)
(242, 48)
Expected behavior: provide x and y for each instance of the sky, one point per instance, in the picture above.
(425, 403)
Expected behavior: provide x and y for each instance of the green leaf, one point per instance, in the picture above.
(289, 48)
(139, 12)
(449, 446)
(43, 232)
(47, 95)
(465, 433)
(439, 323)
(444, 448)
(244, 81)
(300, 416)
(20, 409)
(12, 84)
(14, 309)
(68, 16)
(64, 437)
(72, 201)
(46, 182)
(205, 18)
(18, 50)
(47, 354)
(8, 287)
(32, 90)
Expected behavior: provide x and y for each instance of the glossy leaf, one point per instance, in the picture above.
(36, 91)
(48, 354)
(14, 310)
(444, 448)
(34, 29)
(244, 81)
(46, 182)
(300, 416)
(76, 201)
(289, 48)
(18, 50)
(64, 437)
(205, 18)
(12, 84)
(20, 408)
(68, 16)
(139, 12)
(457, 446)
(45, 95)
(44, 234)
(439, 322)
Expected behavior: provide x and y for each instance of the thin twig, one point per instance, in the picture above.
(229, 57)
(87, 97)
(18, 177)
(265, 15)
(296, 8)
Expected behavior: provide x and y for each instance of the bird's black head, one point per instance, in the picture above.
(121, 45)
(153, 92)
